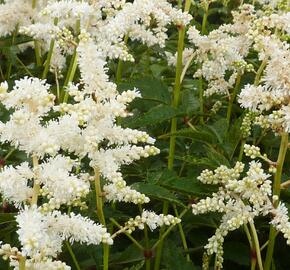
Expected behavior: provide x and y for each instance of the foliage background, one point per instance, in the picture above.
(198, 147)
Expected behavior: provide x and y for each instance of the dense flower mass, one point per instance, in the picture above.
(240, 200)
(50, 130)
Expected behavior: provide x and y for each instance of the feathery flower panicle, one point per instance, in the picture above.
(240, 200)
(12, 16)
(83, 127)
(108, 32)
(223, 51)
(14, 183)
(270, 99)
(151, 219)
(42, 234)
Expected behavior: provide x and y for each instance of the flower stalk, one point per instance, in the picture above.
(232, 98)
(175, 103)
(101, 216)
(257, 245)
(22, 262)
(49, 55)
(36, 185)
(200, 81)
(72, 66)
(69, 248)
(276, 192)
(120, 64)
(36, 44)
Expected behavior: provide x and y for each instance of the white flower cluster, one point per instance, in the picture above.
(150, 219)
(108, 23)
(252, 151)
(86, 128)
(269, 96)
(42, 234)
(239, 200)
(281, 221)
(14, 255)
(12, 16)
(223, 51)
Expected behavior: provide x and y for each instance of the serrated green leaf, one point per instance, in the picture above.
(154, 116)
(11, 53)
(172, 181)
(173, 258)
(150, 89)
(129, 255)
(199, 134)
(157, 192)
(237, 252)
(135, 267)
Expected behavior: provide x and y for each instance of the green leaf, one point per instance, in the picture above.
(150, 88)
(185, 185)
(135, 267)
(199, 134)
(216, 157)
(154, 116)
(237, 252)
(190, 101)
(157, 192)
(129, 255)
(219, 128)
(11, 53)
(173, 258)
(7, 217)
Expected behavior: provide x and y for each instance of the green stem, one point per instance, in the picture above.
(49, 55)
(57, 86)
(253, 258)
(72, 66)
(33, 4)
(204, 19)
(175, 103)
(37, 53)
(232, 98)
(2, 74)
(101, 216)
(134, 241)
(69, 248)
(248, 235)
(200, 80)
(160, 240)
(36, 186)
(47, 63)
(243, 142)
(120, 65)
(99, 196)
(24, 67)
(201, 103)
(182, 235)
(147, 244)
(215, 263)
(22, 261)
(9, 154)
(8, 73)
(257, 245)
(147, 259)
(276, 191)
(260, 71)
(36, 44)
(253, 264)
(177, 88)
(70, 74)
